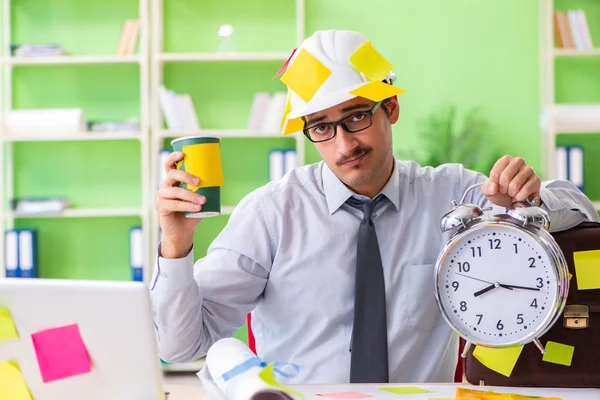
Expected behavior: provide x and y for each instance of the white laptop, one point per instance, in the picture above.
(114, 321)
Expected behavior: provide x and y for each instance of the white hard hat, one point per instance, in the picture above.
(329, 68)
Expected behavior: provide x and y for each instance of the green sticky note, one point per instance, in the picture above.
(587, 269)
(558, 353)
(501, 360)
(405, 390)
(8, 331)
(267, 375)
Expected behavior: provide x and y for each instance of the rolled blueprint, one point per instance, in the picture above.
(232, 372)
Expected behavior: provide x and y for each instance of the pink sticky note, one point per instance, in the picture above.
(345, 395)
(61, 353)
(285, 65)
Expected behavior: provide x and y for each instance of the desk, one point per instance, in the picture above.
(195, 392)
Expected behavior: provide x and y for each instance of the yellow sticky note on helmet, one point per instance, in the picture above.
(204, 161)
(370, 62)
(13, 384)
(377, 91)
(498, 359)
(305, 75)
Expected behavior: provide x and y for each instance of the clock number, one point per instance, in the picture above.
(516, 248)
(464, 267)
(463, 306)
(534, 303)
(494, 244)
(455, 285)
(532, 262)
(499, 325)
(480, 316)
(520, 319)
(476, 251)
(540, 282)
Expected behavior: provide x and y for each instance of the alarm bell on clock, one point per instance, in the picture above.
(500, 281)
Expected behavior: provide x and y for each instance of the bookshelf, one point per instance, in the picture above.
(102, 174)
(569, 77)
(265, 34)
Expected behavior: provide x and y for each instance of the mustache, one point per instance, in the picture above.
(357, 152)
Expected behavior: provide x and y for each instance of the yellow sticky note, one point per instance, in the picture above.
(587, 269)
(570, 276)
(293, 125)
(8, 331)
(370, 62)
(405, 390)
(377, 91)
(12, 384)
(267, 375)
(500, 360)
(305, 75)
(558, 353)
(204, 161)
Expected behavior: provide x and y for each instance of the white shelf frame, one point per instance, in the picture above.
(82, 213)
(142, 59)
(71, 60)
(202, 57)
(159, 58)
(95, 136)
(548, 55)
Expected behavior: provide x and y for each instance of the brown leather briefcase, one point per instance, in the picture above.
(582, 309)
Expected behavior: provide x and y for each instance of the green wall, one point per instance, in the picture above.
(470, 53)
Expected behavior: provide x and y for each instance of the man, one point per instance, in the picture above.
(338, 284)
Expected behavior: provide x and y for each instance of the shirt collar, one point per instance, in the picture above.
(336, 193)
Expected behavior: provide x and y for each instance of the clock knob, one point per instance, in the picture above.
(460, 216)
(528, 215)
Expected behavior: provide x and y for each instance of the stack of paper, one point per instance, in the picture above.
(58, 121)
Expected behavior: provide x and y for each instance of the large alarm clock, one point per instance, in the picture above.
(500, 280)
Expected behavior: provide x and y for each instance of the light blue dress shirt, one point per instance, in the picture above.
(288, 254)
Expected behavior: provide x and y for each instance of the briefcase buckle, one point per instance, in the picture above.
(576, 317)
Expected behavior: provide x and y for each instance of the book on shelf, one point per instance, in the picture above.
(130, 33)
(569, 164)
(266, 112)
(37, 50)
(178, 110)
(21, 254)
(572, 30)
(281, 162)
(136, 253)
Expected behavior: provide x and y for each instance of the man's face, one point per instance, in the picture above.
(358, 158)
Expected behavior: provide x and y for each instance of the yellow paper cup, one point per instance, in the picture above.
(202, 158)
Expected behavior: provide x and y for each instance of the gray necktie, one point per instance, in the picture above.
(369, 350)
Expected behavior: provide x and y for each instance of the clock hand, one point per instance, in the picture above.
(485, 290)
(470, 277)
(518, 287)
(481, 280)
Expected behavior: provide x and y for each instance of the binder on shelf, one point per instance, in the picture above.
(569, 161)
(136, 257)
(162, 158)
(28, 253)
(11, 253)
(281, 161)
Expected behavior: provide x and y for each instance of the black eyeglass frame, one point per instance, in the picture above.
(335, 124)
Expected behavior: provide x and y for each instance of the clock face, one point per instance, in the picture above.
(497, 285)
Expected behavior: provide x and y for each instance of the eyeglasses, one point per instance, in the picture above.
(356, 122)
